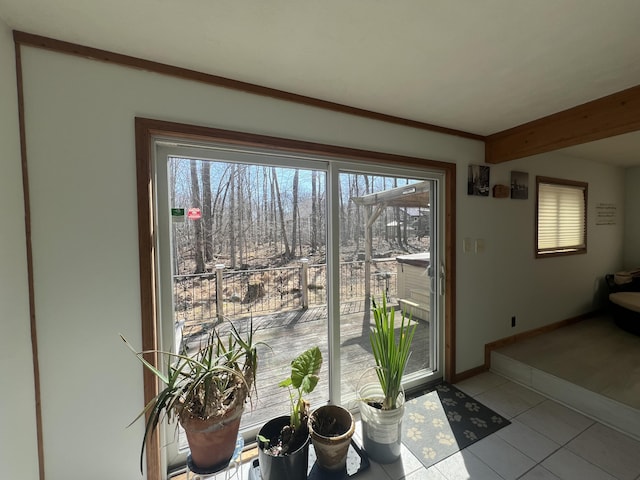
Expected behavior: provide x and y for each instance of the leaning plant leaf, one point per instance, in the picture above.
(155, 371)
(264, 440)
(305, 369)
(285, 383)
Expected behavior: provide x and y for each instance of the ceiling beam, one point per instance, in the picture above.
(605, 117)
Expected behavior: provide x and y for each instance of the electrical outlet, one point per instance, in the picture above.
(513, 321)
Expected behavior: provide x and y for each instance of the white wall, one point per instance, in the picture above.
(632, 217)
(18, 447)
(79, 117)
(507, 280)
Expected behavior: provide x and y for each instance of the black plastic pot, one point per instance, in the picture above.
(293, 466)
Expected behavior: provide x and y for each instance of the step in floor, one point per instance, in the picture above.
(591, 366)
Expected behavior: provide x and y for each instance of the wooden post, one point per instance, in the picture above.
(304, 282)
(219, 302)
(368, 253)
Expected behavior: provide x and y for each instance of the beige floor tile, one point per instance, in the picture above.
(569, 466)
(610, 450)
(555, 421)
(528, 441)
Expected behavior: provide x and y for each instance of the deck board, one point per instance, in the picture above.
(288, 334)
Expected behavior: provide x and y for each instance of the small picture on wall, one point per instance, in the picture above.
(520, 185)
(478, 181)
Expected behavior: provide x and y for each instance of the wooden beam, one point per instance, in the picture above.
(29, 251)
(605, 117)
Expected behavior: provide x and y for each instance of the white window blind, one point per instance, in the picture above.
(561, 217)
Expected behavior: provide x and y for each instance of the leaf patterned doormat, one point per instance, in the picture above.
(443, 421)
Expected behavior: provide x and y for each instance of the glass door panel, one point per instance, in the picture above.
(386, 249)
(248, 247)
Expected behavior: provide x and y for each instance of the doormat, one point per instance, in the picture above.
(441, 422)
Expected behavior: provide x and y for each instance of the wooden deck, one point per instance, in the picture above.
(289, 333)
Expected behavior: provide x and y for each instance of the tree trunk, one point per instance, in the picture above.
(232, 216)
(343, 215)
(197, 224)
(296, 216)
(240, 214)
(219, 203)
(314, 212)
(272, 216)
(357, 223)
(283, 229)
(207, 218)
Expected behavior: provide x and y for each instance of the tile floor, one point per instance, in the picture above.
(544, 441)
(588, 354)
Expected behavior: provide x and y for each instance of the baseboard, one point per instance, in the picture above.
(503, 342)
(458, 377)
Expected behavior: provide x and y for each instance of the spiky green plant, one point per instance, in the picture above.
(214, 380)
(391, 350)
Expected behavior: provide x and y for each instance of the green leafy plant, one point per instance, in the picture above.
(302, 381)
(391, 350)
(304, 378)
(216, 379)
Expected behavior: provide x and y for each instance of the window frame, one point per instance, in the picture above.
(147, 130)
(558, 250)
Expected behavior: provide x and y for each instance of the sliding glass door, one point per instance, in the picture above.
(299, 247)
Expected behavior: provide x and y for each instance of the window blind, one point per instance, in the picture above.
(561, 218)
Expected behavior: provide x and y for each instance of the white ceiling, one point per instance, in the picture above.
(480, 66)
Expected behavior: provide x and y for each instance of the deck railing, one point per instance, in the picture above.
(229, 293)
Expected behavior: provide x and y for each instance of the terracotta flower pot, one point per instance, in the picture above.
(213, 441)
(331, 428)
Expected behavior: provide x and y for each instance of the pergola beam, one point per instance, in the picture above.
(608, 116)
(414, 195)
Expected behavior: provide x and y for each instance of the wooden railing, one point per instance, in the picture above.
(229, 293)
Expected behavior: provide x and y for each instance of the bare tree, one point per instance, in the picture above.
(232, 216)
(272, 215)
(239, 213)
(207, 217)
(283, 230)
(296, 213)
(314, 212)
(197, 224)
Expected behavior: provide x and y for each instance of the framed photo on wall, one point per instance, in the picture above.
(478, 180)
(519, 185)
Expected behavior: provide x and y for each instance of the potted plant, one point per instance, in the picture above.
(283, 442)
(382, 404)
(331, 428)
(206, 391)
